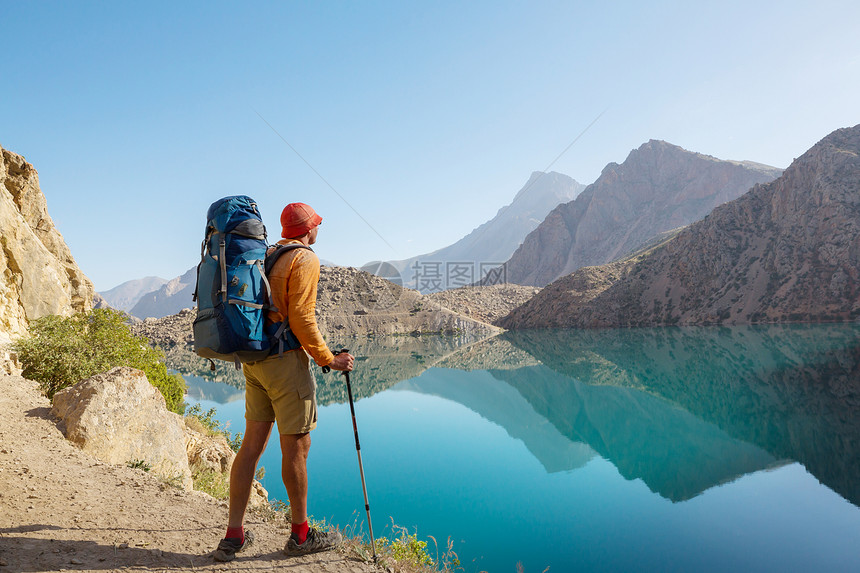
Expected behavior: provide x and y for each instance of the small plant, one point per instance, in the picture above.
(206, 419)
(447, 561)
(281, 507)
(206, 423)
(235, 442)
(216, 484)
(139, 465)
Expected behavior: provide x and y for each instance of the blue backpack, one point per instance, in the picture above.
(232, 292)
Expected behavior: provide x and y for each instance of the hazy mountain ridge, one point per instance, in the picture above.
(495, 240)
(788, 250)
(127, 294)
(659, 187)
(170, 298)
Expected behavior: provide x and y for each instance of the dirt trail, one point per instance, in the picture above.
(62, 510)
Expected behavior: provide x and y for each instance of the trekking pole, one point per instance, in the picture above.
(358, 452)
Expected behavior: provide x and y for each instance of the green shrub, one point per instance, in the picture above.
(62, 351)
(406, 549)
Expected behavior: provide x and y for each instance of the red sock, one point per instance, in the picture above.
(301, 531)
(236, 533)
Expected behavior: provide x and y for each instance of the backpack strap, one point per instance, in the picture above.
(283, 332)
(280, 249)
(266, 282)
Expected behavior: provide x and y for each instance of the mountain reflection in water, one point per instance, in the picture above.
(682, 409)
(792, 391)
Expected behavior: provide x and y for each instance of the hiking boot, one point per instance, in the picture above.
(228, 548)
(316, 541)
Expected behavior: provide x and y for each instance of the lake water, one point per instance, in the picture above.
(674, 449)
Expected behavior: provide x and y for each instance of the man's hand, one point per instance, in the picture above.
(342, 361)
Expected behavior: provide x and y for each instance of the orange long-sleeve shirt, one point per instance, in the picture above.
(294, 281)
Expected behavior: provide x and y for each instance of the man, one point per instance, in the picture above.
(281, 388)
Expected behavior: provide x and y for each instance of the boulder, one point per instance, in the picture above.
(119, 417)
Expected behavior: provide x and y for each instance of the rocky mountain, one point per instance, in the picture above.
(38, 275)
(126, 295)
(659, 187)
(490, 244)
(787, 251)
(170, 298)
(484, 303)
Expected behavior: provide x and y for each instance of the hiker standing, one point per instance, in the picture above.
(281, 388)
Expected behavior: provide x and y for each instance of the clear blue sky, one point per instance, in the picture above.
(427, 117)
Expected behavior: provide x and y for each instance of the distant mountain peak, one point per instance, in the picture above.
(551, 181)
(660, 186)
(126, 295)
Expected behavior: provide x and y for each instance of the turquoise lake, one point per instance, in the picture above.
(671, 449)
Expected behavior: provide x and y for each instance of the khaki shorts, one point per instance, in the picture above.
(283, 389)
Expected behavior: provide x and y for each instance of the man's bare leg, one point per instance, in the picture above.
(294, 470)
(244, 466)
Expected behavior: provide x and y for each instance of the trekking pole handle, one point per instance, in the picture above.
(326, 369)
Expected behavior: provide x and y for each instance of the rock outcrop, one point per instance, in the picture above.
(38, 275)
(557, 305)
(787, 251)
(119, 417)
(659, 187)
(210, 453)
(485, 303)
(352, 302)
(169, 331)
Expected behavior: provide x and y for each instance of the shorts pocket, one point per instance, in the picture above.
(307, 384)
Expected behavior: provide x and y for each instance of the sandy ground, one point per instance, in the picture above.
(62, 510)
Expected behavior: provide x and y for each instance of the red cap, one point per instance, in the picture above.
(297, 219)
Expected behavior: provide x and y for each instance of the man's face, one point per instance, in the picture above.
(312, 235)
